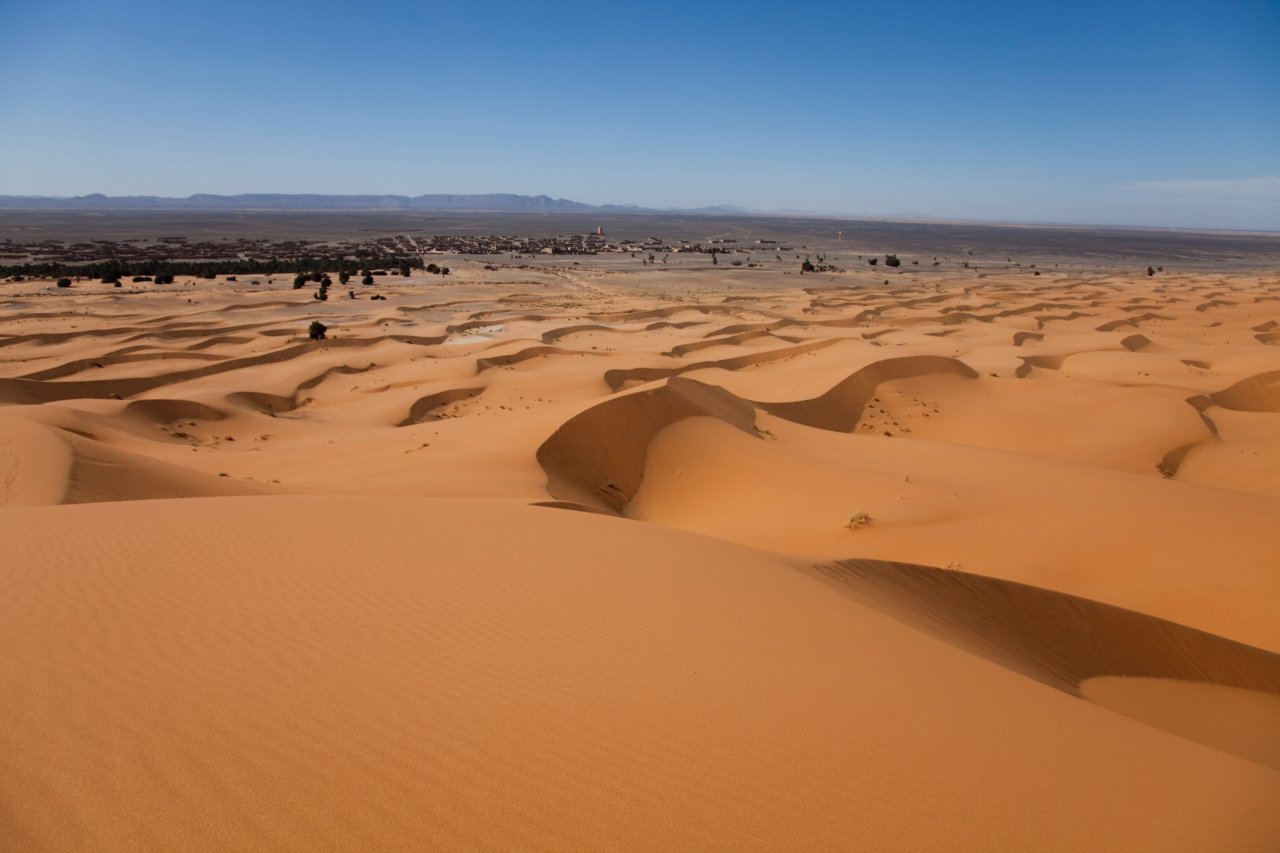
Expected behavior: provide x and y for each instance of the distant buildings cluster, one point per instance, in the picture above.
(577, 244)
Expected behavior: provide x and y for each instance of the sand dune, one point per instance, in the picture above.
(1258, 393)
(292, 672)
(424, 408)
(1075, 645)
(621, 378)
(1042, 521)
(598, 456)
(596, 555)
(510, 359)
(840, 408)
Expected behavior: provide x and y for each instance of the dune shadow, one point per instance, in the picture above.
(1062, 640)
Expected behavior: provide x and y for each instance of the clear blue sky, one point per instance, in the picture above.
(1163, 113)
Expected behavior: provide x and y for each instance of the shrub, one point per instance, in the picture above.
(64, 282)
(368, 279)
(892, 261)
(873, 261)
(316, 330)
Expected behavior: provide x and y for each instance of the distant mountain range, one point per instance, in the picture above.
(278, 201)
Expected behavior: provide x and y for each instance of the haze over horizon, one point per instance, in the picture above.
(1124, 113)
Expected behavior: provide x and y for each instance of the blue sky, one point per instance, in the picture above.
(1130, 113)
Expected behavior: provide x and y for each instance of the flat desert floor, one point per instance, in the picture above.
(604, 555)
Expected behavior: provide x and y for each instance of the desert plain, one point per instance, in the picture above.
(585, 552)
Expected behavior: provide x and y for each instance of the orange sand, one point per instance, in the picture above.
(561, 558)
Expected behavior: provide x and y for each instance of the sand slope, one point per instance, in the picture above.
(294, 672)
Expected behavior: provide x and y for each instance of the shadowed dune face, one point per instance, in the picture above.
(840, 408)
(424, 408)
(1260, 393)
(267, 404)
(620, 378)
(597, 457)
(1230, 719)
(1065, 641)
(168, 411)
(302, 599)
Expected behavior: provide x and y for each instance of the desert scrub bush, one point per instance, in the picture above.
(858, 519)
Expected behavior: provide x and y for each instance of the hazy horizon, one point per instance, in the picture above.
(607, 208)
(1126, 114)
